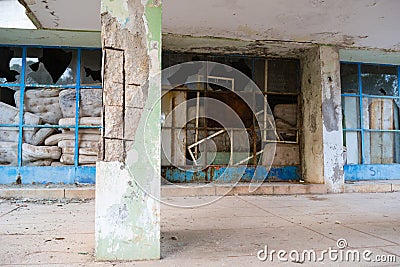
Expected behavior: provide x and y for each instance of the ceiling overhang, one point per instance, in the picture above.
(368, 24)
(50, 38)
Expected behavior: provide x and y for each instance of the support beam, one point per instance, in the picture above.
(127, 177)
(322, 153)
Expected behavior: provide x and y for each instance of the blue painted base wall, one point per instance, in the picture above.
(232, 174)
(372, 172)
(84, 174)
(63, 174)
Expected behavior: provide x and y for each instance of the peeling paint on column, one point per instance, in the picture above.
(332, 119)
(127, 210)
(330, 110)
(322, 153)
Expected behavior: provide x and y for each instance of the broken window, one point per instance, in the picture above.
(45, 84)
(192, 134)
(370, 102)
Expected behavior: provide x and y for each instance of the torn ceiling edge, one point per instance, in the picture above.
(31, 15)
(90, 39)
(221, 45)
(271, 48)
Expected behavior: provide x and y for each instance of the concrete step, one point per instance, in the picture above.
(278, 188)
(188, 190)
(67, 192)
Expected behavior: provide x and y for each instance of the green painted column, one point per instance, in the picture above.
(127, 174)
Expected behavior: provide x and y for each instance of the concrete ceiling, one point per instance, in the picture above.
(364, 23)
(348, 23)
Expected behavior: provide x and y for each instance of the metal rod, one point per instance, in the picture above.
(172, 149)
(21, 107)
(280, 142)
(231, 157)
(50, 46)
(49, 126)
(10, 84)
(376, 64)
(248, 158)
(265, 118)
(212, 128)
(254, 133)
(371, 130)
(9, 125)
(359, 77)
(77, 106)
(196, 137)
(372, 96)
(207, 138)
(191, 155)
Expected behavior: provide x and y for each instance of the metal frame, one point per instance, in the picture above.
(216, 170)
(66, 174)
(364, 171)
(205, 90)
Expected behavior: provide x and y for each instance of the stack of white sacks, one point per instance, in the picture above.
(51, 146)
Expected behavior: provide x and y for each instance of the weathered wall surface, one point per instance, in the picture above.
(322, 153)
(312, 149)
(332, 119)
(127, 179)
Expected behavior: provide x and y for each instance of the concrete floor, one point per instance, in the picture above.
(226, 233)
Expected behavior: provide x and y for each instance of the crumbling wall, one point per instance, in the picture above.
(126, 72)
(127, 175)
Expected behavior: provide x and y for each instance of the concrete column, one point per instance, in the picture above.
(127, 174)
(322, 146)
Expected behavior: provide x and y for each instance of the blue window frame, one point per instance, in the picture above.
(371, 127)
(48, 69)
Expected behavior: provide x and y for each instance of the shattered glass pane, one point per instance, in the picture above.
(379, 80)
(91, 67)
(10, 64)
(51, 66)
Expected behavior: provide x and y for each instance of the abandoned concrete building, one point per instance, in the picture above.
(83, 99)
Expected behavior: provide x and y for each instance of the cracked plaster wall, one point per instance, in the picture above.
(322, 143)
(127, 174)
